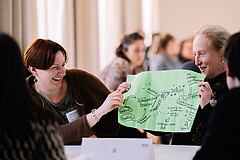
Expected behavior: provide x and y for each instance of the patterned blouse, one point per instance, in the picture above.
(116, 72)
(39, 141)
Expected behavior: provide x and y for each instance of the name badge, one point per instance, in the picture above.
(213, 103)
(72, 116)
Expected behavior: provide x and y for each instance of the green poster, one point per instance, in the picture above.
(165, 101)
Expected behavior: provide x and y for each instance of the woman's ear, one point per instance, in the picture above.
(222, 60)
(33, 70)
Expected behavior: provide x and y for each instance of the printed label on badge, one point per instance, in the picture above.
(72, 116)
(213, 103)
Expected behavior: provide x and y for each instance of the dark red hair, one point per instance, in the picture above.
(41, 53)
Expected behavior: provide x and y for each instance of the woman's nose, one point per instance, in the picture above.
(63, 70)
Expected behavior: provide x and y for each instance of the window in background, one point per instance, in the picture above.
(50, 19)
(147, 21)
(102, 14)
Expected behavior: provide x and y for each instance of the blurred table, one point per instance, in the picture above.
(174, 152)
(163, 152)
(72, 151)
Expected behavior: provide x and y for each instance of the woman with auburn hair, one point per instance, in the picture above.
(83, 104)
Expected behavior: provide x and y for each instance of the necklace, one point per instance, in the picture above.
(54, 98)
(42, 93)
(38, 90)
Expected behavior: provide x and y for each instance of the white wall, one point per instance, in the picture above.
(184, 17)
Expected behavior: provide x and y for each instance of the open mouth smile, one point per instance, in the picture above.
(56, 79)
(202, 69)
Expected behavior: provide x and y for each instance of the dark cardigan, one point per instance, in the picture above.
(222, 133)
(89, 93)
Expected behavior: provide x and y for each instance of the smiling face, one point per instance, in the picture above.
(171, 48)
(136, 53)
(52, 77)
(187, 50)
(208, 60)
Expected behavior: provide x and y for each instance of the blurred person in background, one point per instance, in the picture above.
(164, 56)
(154, 46)
(185, 51)
(186, 55)
(167, 55)
(130, 59)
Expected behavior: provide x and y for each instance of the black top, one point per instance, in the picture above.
(224, 121)
(190, 65)
(196, 135)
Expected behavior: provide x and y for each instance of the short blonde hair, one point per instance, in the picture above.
(217, 34)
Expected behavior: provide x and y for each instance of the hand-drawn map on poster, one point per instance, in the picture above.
(165, 101)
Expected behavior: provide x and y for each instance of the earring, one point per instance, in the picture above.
(223, 67)
(35, 80)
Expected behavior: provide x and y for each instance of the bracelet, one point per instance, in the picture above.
(94, 116)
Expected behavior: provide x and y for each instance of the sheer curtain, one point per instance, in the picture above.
(88, 29)
(55, 21)
(18, 19)
(73, 24)
(99, 26)
(115, 19)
